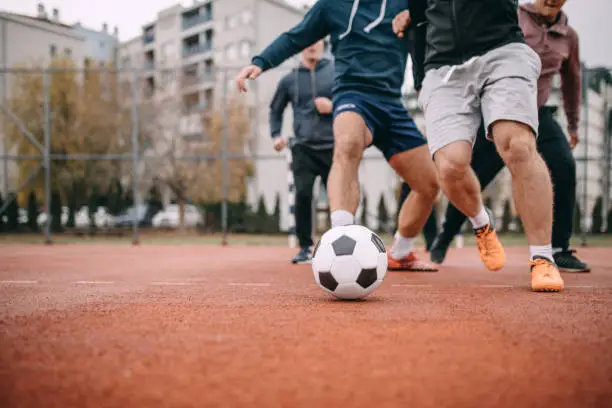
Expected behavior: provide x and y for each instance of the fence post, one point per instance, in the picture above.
(224, 163)
(46, 155)
(135, 156)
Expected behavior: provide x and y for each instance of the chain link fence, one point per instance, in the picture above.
(131, 152)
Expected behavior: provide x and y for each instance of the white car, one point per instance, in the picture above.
(42, 217)
(170, 217)
(101, 218)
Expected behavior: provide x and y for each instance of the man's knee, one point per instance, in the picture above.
(453, 163)
(516, 143)
(347, 151)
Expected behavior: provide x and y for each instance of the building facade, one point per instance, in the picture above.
(34, 41)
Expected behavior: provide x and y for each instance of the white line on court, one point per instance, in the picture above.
(18, 282)
(169, 283)
(94, 282)
(248, 284)
(412, 285)
(579, 287)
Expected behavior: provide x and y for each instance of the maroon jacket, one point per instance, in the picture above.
(557, 46)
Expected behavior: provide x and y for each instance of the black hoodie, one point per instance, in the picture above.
(300, 88)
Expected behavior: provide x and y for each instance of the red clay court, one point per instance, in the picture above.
(210, 326)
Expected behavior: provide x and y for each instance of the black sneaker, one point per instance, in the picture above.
(439, 247)
(567, 262)
(303, 257)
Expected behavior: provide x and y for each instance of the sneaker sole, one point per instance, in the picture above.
(548, 288)
(570, 270)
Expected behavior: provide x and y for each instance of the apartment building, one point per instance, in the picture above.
(35, 41)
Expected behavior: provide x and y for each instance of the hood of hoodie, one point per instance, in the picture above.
(561, 25)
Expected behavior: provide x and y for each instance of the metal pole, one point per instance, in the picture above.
(135, 148)
(46, 156)
(5, 166)
(224, 160)
(584, 215)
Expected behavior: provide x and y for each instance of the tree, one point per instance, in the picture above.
(32, 212)
(2, 214)
(200, 180)
(12, 213)
(383, 214)
(276, 215)
(597, 220)
(506, 217)
(88, 115)
(56, 212)
(364, 211)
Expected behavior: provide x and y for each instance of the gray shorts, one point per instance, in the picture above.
(499, 85)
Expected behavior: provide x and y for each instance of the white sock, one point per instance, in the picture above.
(544, 251)
(557, 250)
(402, 246)
(341, 218)
(481, 219)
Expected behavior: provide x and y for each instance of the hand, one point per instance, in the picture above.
(401, 22)
(279, 143)
(324, 105)
(573, 139)
(248, 72)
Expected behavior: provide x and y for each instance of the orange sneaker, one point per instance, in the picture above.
(491, 250)
(408, 263)
(545, 276)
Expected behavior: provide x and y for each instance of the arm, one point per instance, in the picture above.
(279, 103)
(571, 85)
(311, 29)
(417, 38)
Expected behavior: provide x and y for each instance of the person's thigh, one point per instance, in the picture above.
(451, 105)
(510, 89)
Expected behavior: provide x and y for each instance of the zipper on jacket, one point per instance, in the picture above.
(457, 35)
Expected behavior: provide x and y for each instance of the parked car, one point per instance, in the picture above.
(42, 217)
(141, 214)
(170, 217)
(101, 218)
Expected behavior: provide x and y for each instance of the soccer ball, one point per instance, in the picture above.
(349, 262)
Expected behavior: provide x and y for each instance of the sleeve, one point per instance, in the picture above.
(311, 29)
(417, 40)
(280, 100)
(571, 85)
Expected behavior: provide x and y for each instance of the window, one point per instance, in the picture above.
(231, 52)
(102, 45)
(245, 49)
(125, 63)
(67, 52)
(246, 16)
(52, 50)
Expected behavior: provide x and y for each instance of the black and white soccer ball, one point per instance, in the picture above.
(349, 262)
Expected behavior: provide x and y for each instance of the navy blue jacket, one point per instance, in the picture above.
(368, 56)
(300, 88)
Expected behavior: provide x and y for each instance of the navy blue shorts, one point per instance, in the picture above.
(393, 130)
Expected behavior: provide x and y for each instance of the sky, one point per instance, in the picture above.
(589, 17)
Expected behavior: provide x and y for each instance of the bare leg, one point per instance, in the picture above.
(416, 168)
(516, 145)
(457, 178)
(351, 137)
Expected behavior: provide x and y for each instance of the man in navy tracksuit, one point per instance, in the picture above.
(308, 89)
(370, 62)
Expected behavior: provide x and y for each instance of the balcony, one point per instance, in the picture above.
(189, 50)
(149, 65)
(192, 21)
(148, 38)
